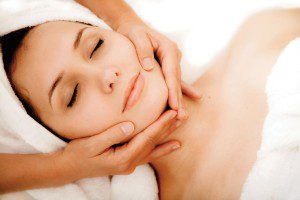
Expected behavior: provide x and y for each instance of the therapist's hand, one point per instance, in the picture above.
(99, 155)
(147, 41)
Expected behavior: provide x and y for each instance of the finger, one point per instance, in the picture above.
(165, 131)
(143, 143)
(114, 135)
(144, 50)
(163, 134)
(162, 150)
(170, 70)
(189, 91)
(157, 151)
(168, 129)
(182, 113)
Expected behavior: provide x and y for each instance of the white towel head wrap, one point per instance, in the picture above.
(19, 133)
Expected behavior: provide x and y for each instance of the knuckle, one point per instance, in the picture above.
(150, 140)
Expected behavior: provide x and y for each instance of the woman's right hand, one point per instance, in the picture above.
(95, 156)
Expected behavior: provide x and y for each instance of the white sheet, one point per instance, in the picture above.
(19, 133)
(276, 173)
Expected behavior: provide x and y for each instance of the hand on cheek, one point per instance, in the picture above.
(98, 155)
(147, 41)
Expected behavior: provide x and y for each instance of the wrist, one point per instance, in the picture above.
(124, 19)
(114, 13)
(62, 168)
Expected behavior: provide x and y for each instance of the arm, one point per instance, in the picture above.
(267, 30)
(27, 171)
(89, 157)
(113, 12)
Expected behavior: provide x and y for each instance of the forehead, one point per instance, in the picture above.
(45, 50)
(51, 36)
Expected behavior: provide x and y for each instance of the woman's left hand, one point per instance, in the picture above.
(147, 41)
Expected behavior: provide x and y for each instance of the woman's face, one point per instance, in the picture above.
(101, 79)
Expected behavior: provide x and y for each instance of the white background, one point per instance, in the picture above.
(201, 28)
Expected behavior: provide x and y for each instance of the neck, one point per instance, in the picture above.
(183, 134)
(176, 170)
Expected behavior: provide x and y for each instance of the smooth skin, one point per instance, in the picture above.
(220, 139)
(88, 157)
(53, 166)
(147, 41)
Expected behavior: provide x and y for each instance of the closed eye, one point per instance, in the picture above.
(74, 96)
(100, 42)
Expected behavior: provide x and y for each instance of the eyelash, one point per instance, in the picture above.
(74, 96)
(100, 42)
(73, 99)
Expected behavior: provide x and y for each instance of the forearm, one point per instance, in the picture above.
(113, 12)
(28, 171)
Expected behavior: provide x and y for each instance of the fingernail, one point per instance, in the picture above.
(148, 63)
(175, 146)
(178, 123)
(197, 93)
(127, 128)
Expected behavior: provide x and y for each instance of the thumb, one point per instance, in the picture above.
(144, 51)
(110, 137)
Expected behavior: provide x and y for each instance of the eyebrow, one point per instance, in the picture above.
(78, 37)
(61, 74)
(53, 86)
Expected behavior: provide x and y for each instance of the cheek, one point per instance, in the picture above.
(122, 52)
(92, 118)
(153, 101)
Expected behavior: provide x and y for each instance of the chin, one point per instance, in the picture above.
(149, 113)
(153, 102)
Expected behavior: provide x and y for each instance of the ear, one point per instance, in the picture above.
(24, 93)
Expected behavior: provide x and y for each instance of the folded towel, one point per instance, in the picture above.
(276, 172)
(19, 133)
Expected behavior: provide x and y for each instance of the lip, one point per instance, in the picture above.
(133, 91)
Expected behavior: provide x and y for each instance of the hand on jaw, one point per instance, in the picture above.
(88, 156)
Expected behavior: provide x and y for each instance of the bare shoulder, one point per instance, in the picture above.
(255, 46)
(268, 29)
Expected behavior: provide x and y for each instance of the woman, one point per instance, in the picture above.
(121, 18)
(221, 137)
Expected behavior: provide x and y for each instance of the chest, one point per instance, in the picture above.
(242, 104)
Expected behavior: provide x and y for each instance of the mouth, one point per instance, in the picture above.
(133, 91)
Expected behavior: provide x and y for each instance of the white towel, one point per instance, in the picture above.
(276, 172)
(19, 133)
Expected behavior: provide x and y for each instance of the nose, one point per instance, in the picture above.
(109, 77)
